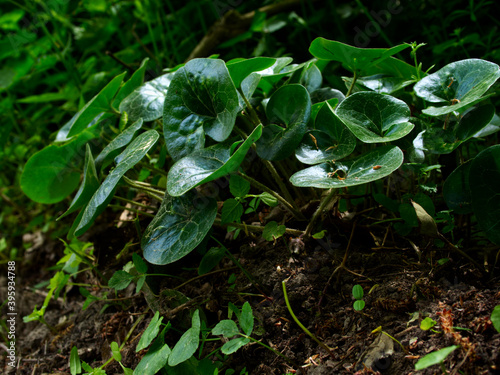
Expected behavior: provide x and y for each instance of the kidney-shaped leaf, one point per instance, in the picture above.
(375, 118)
(330, 139)
(207, 164)
(201, 99)
(134, 152)
(353, 58)
(290, 106)
(459, 84)
(147, 101)
(51, 174)
(474, 121)
(368, 167)
(179, 226)
(484, 181)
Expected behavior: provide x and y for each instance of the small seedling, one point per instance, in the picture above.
(357, 293)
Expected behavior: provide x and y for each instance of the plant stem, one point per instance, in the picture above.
(120, 207)
(134, 203)
(154, 169)
(297, 214)
(323, 345)
(354, 78)
(324, 203)
(253, 115)
(157, 194)
(256, 228)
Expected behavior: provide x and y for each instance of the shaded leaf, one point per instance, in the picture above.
(375, 118)
(474, 121)
(179, 226)
(456, 190)
(211, 259)
(120, 280)
(246, 319)
(150, 333)
(272, 231)
(239, 69)
(226, 328)
(155, 359)
(134, 82)
(428, 226)
(234, 344)
(201, 100)
(289, 106)
(134, 152)
(231, 211)
(187, 344)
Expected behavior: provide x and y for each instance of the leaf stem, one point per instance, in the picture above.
(134, 203)
(157, 194)
(320, 343)
(354, 79)
(297, 214)
(253, 115)
(324, 203)
(120, 207)
(256, 228)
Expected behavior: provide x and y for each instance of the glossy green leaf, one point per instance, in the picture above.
(288, 111)
(435, 358)
(239, 69)
(201, 100)
(438, 140)
(381, 83)
(456, 190)
(155, 359)
(234, 344)
(368, 167)
(311, 77)
(150, 333)
(330, 139)
(226, 328)
(491, 128)
(474, 121)
(187, 344)
(375, 118)
(147, 101)
(134, 152)
(75, 364)
(352, 58)
(98, 104)
(52, 174)
(484, 181)
(134, 82)
(458, 84)
(121, 140)
(179, 226)
(88, 186)
(246, 319)
(208, 164)
(281, 68)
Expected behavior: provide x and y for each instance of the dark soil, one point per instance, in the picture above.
(399, 292)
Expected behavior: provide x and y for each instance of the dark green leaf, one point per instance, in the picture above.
(238, 186)
(272, 231)
(474, 121)
(134, 82)
(211, 259)
(97, 105)
(239, 69)
(51, 174)
(208, 164)
(150, 333)
(226, 328)
(375, 118)
(353, 58)
(120, 280)
(495, 318)
(134, 152)
(201, 100)
(187, 344)
(231, 211)
(368, 167)
(434, 358)
(88, 186)
(381, 83)
(179, 226)
(289, 106)
(155, 359)
(458, 84)
(246, 319)
(121, 140)
(438, 140)
(329, 140)
(139, 263)
(484, 181)
(456, 190)
(147, 101)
